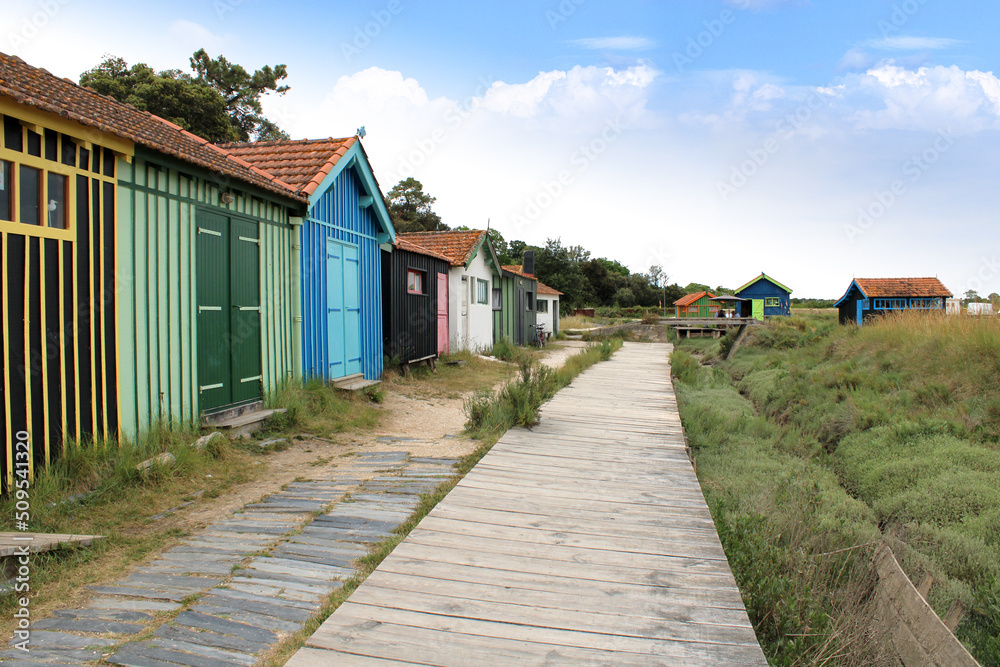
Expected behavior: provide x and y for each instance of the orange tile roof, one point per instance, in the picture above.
(403, 244)
(38, 88)
(519, 270)
(304, 163)
(545, 289)
(688, 299)
(456, 246)
(899, 287)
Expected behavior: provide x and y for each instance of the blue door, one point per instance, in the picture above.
(352, 310)
(862, 305)
(343, 301)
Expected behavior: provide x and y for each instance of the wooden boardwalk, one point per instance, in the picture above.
(585, 541)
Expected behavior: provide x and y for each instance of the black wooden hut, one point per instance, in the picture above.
(414, 302)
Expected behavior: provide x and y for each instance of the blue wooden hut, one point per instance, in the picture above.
(869, 297)
(766, 297)
(341, 274)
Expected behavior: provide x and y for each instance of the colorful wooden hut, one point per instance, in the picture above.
(515, 316)
(341, 269)
(414, 302)
(697, 304)
(869, 297)
(767, 298)
(473, 284)
(143, 272)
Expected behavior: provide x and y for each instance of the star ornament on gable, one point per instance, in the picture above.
(361, 132)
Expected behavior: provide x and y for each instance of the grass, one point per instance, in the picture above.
(493, 411)
(317, 408)
(817, 437)
(451, 381)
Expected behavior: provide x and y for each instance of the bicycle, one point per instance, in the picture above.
(540, 335)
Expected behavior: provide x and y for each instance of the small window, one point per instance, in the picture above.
(482, 291)
(531, 301)
(415, 282)
(543, 306)
(6, 191)
(30, 195)
(772, 302)
(497, 299)
(57, 198)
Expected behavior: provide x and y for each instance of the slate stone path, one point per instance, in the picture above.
(236, 589)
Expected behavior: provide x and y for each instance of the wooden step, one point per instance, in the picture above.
(353, 382)
(242, 424)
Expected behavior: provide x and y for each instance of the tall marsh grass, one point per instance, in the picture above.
(897, 423)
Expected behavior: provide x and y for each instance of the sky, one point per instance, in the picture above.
(812, 140)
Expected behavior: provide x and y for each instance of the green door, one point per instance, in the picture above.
(702, 311)
(228, 276)
(343, 307)
(758, 309)
(245, 308)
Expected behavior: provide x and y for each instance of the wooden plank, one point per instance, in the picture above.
(12, 544)
(585, 540)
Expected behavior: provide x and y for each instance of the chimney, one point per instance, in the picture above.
(529, 262)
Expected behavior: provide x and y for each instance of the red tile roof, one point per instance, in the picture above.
(38, 88)
(902, 287)
(304, 164)
(518, 269)
(403, 244)
(456, 246)
(688, 299)
(545, 289)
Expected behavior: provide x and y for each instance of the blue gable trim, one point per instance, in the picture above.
(847, 294)
(356, 160)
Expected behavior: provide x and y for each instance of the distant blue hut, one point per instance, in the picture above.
(870, 297)
(766, 298)
(341, 275)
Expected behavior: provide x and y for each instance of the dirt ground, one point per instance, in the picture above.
(424, 427)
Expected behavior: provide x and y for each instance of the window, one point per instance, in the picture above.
(497, 299)
(543, 306)
(482, 291)
(926, 304)
(37, 180)
(30, 209)
(531, 301)
(415, 282)
(890, 304)
(772, 302)
(6, 185)
(57, 198)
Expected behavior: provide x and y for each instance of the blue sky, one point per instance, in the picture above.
(815, 141)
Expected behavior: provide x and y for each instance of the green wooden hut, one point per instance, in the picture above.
(147, 275)
(514, 307)
(698, 304)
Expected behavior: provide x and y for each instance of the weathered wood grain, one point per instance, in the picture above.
(584, 541)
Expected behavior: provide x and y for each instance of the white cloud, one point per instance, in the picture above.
(622, 43)
(928, 98)
(909, 43)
